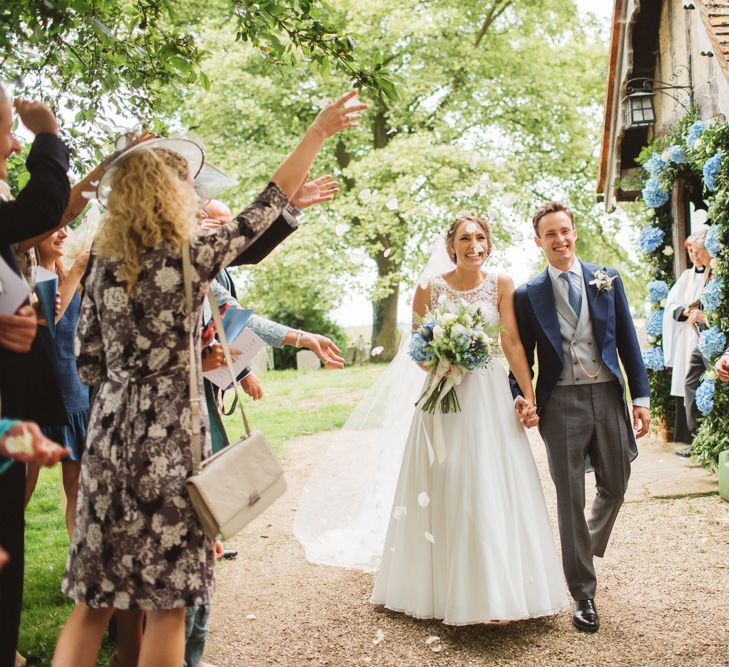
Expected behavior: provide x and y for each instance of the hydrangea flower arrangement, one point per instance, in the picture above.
(656, 165)
(712, 342)
(705, 396)
(653, 359)
(713, 295)
(657, 291)
(675, 154)
(654, 325)
(694, 133)
(711, 171)
(651, 238)
(712, 241)
(653, 195)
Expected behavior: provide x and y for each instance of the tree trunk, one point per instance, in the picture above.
(385, 332)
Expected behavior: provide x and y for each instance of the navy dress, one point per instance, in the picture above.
(75, 393)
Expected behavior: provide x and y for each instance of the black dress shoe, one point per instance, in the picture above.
(685, 453)
(230, 554)
(585, 616)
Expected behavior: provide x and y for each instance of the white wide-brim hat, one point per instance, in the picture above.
(186, 148)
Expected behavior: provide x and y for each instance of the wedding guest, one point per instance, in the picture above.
(138, 543)
(72, 433)
(697, 363)
(679, 336)
(28, 387)
(722, 366)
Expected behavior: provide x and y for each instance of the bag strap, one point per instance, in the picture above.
(195, 413)
(228, 358)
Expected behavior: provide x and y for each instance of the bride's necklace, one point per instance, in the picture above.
(459, 283)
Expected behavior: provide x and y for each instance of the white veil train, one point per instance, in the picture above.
(345, 507)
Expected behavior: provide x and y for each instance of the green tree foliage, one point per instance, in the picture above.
(497, 109)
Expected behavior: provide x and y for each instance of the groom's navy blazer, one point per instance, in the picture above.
(536, 314)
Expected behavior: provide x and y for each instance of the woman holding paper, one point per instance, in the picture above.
(138, 544)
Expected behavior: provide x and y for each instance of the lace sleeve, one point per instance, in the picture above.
(271, 333)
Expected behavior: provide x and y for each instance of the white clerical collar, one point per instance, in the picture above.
(555, 273)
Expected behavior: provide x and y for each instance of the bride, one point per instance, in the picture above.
(465, 540)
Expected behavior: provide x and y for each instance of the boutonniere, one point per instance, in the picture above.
(603, 281)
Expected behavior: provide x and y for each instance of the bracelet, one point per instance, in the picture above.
(293, 209)
(299, 336)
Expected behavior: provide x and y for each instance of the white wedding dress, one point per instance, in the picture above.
(469, 539)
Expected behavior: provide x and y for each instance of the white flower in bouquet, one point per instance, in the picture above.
(438, 332)
(446, 318)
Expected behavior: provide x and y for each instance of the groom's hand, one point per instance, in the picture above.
(527, 412)
(641, 421)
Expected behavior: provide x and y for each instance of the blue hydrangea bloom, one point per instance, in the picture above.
(705, 396)
(711, 171)
(651, 238)
(676, 154)
(657, 291)
(653, 195)
(419, 349)
(712, 342)
(694, 132)
(712, 295)
(426, 330)
(656, 165)
(713, 242)
(654, 325)
(653, 359)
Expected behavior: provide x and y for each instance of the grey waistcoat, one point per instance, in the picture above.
(578, 344)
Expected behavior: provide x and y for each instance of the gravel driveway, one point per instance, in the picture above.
(663, 596)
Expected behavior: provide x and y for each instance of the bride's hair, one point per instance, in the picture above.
(451, 232)
(149, 204)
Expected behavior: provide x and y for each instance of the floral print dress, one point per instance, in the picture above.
(138, 543)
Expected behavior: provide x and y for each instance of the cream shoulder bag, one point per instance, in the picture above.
(231, 488)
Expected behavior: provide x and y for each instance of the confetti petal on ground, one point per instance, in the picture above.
(437, 648)
(341, 229)
(423, 499)
(377, 351)
(432, 639)
(429, 537)
(251, 617)
(392, 204)
(379, 636)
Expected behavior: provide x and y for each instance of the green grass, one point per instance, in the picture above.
(295, 404)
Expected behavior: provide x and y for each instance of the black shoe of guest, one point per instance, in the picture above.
(685, 453)
(230, 554)
(585, 616)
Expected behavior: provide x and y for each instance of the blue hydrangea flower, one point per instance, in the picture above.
(705, 396)
(656, 165)
(694, 132)
(712, 342)
(657, 291)
(651, 238)
(713, 295)
(426, 330)
(653, 359)
(653, 195)
(712, 241)
(654, 325)
(711, 171)
(419, 349)
(676, 154)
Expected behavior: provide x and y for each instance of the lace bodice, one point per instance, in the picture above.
(486, 293)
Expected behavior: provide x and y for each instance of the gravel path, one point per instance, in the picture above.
(663, 596)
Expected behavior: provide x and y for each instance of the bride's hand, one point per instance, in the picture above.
(527, 412)
(337, 117)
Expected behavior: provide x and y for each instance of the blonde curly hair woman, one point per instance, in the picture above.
(138, 544)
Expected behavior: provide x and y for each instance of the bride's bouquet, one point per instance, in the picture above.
(450, 341)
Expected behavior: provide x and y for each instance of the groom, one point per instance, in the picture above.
(576, 315)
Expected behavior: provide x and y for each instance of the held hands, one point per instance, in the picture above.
(696, 316)
(34, 447)
(337, 117)
(641, 421)
(324, 348)
(527, 412)
(722, 368)
(317, 191)
(36, 116)
(18, 331)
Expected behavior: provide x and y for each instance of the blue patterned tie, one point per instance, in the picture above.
(574, 296)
